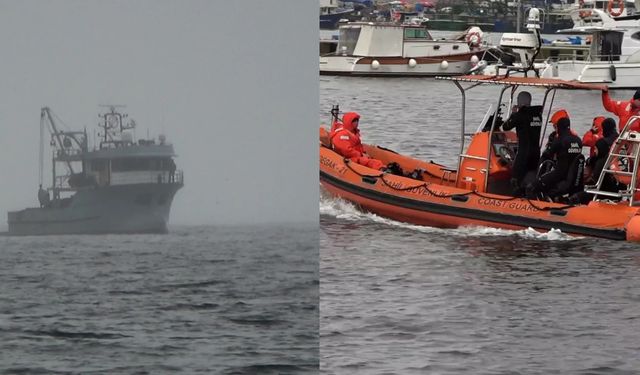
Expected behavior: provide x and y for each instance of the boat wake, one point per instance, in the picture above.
(338, 208)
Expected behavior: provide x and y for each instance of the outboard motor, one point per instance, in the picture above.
(519, 50)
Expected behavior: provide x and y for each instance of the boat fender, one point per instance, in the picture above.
(620, 7)
(412, 63)
(612, 72)
(375, 64)
(444, 64)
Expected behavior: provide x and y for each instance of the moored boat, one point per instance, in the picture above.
(389, 49)
(614, 54)
(477, 191)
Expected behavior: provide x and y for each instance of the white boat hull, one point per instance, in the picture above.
(626, 75)
(396, 66)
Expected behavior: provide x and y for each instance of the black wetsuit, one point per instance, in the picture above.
(603, 145)
(528, 123)
(566, 148)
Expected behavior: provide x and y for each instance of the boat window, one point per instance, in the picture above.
(140, 164)
(416, 34)
(98, 165)
(348, 40)
(636, 36)
(611, 46)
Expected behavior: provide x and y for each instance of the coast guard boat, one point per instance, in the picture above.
(477, 191)
(121, 185)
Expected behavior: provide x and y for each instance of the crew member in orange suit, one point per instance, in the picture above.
(623, 109)
(592, 135)
(345, 139)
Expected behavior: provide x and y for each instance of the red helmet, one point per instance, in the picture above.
(557, 115)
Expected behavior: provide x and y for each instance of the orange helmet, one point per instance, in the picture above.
(557, 115)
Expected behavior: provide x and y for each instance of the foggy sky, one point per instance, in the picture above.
(233, 85)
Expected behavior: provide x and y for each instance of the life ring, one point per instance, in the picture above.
(620, 7)
(474, 39)
(585, 14)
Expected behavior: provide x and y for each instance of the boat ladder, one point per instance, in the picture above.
(625, 148)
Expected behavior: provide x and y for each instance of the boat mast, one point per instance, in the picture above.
(41, 161)
(47, 112)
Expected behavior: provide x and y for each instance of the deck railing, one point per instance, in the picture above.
(147, 177)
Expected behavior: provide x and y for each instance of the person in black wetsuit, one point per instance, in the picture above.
(527, 120)
(566, 177)
(602, 147)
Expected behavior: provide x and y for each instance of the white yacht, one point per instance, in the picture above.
(614, 54)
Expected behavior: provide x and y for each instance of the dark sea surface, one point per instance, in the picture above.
(404, 299)
(234, 300)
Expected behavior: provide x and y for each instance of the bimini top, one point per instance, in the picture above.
(525, 81)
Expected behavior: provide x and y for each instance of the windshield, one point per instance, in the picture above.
(347, 40)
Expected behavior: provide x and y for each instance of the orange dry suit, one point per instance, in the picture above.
(345, 139)
(592, 135)
(623, 109)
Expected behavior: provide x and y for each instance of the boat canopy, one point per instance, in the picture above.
(525, 81)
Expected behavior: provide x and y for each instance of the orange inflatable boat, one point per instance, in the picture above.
(477, 192)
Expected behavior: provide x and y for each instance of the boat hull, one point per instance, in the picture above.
(626, 75)
(397, 66)
(436, 201)
(136, 208)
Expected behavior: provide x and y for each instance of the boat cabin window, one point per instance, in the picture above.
(348, 38)
(610, 46)
(140, 164)
(98, 165)
(411, 33)
(636, 36)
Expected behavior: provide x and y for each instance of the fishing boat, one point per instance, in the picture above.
(120, 185)
(389, 49)
(614, 53)
(477, 191)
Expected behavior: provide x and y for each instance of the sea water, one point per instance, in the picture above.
(228, 300)
(405, 299)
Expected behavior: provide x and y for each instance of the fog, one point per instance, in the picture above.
(233, 85)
